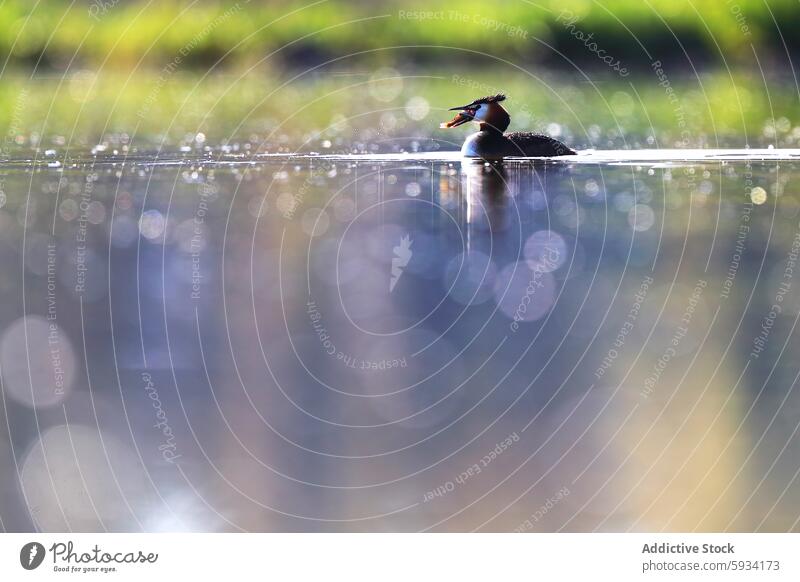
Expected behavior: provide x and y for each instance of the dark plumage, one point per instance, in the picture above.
(537, 144)
(489, 99)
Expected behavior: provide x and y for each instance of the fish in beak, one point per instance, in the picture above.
(465, 114)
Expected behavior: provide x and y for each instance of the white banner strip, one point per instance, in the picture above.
(400, 557)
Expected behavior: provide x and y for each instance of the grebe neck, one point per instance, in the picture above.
(491, 128)
(497, 119)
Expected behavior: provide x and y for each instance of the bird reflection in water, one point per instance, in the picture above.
(488, 193)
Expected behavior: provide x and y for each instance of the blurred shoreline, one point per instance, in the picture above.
(56, 34)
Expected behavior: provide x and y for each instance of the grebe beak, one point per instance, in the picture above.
(465, 115)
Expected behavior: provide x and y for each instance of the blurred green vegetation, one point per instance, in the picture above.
(385, 107)
(130, 33)
(294, 74)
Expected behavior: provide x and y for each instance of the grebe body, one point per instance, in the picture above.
(491, 143)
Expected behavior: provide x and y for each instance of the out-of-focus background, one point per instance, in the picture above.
(249, 284)
(237, 70)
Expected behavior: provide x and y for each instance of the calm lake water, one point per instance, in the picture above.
(401, 343)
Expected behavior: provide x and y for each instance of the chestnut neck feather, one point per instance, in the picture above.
(497, 120)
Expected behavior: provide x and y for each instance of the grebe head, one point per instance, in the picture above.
(486, 111)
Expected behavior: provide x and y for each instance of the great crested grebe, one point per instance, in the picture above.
(491, 143)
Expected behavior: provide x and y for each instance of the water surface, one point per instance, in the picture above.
(401, 342)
